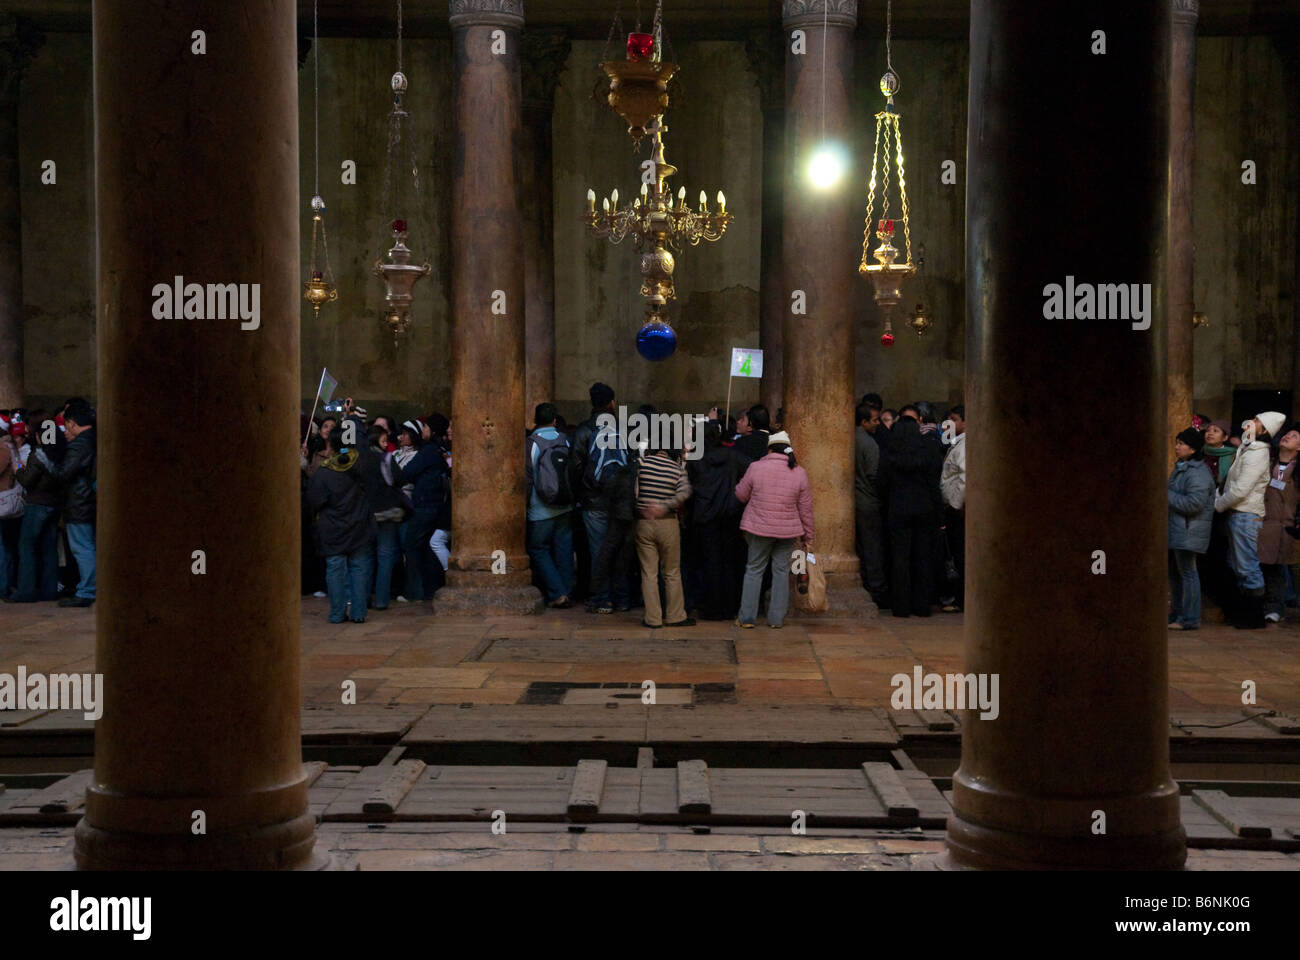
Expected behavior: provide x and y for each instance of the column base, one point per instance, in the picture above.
(846, 598)
(973, 846)
(290, 845)
(475, 593)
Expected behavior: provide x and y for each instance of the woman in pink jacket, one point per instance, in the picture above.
(778, 510)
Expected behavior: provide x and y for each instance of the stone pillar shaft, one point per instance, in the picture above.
(1082, 729)
(488, 309)
(820, 259)
(1182, 144)
(201, 671)
(17, 46)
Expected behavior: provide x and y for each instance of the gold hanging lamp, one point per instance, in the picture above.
(320, 287)
(887, 274)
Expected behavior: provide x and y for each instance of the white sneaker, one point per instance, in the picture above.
(320, 595)
(402, 600)
(1273, 617)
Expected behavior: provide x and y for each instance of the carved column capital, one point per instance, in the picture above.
(1186, 11)
(544, 56)
(811, 13)
(19, 42)
(496, 13)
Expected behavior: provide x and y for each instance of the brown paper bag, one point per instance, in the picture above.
(814, 601)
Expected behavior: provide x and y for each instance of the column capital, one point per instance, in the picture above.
(1186, 11)
(19, 42)
(477, 13)
(811, 13)
(544, 55)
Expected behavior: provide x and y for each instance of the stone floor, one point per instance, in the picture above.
(406, 655)
(458, 846)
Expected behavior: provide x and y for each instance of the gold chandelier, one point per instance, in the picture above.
(657, 222)
(887, 274)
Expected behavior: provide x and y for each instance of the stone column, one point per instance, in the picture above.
(545, 55)
(820, 257)
(198, 759)
(1067, 612)
(18, 44)
(1182, 144)
(767, 57)
(487, 327)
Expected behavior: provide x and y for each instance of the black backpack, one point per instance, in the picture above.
(551, 471)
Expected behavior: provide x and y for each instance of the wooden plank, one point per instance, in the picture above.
(645, 758)
(387, 795)
(937, 719)
(693, 787)
(1288, 726)
(67, 795)
(313, 769)
(588, 785)
(901, 758)
(16, 718)
(887, 785)
(1231, 814)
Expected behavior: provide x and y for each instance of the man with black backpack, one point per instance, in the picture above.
(599, 456)
(550, 506)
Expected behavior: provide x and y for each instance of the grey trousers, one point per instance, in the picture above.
(761, 550)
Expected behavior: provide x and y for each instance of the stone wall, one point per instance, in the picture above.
(1245, 255)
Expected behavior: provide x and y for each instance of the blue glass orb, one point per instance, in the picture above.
(656, 341)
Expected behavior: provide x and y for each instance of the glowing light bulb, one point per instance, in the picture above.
(614, 198)
(703, 199)
(591, 200)
(606, 203)
(826, 167)
(722, 202)
(681, 195)
(645, 190)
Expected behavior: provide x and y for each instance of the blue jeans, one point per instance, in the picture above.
(346, 578)
(596, 522)
(1184, 589)
(8, 558)
(81, 541)
(387, 547)
(761, 550)
(550, 548)
(1243, 549)
(38, 554)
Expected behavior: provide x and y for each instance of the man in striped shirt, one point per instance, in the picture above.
(661, 488)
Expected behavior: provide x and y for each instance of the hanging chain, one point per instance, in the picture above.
(325, 248)
(399, 36)
(315, 43)
(825, 14)
(871, 196)
(902, 189)
(884, 185)
(889, 33)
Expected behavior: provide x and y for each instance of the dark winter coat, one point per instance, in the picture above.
(713, 479)
(39, 488)
(344, 521)
(1191, 505)
(910, 466)
(76, 474)
(588, 497)
(1275, 545)
(428, 471)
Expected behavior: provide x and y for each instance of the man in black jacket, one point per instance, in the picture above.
(753, 445)
(589, 462)
(76, 474)
(345, 528)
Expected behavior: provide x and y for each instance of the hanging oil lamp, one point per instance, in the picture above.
(320, 288)
(638, 86)
(920, 319)
(887, 273)
(397, 271)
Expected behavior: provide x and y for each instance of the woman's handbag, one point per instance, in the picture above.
(11, 502)
(812, 600)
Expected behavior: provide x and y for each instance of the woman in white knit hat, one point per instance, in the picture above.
(1242, 499)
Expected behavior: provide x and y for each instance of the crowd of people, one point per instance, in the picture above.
(1233, 506)
(614, 523)
(48, 491)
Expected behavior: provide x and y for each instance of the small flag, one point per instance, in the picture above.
(327, 385)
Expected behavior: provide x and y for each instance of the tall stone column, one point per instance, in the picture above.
(1066, 611)
(489, 566)
(198, 759)
(545, 55)
(18, 44)
(820, 258)
(1182, 145)
(767, 57)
